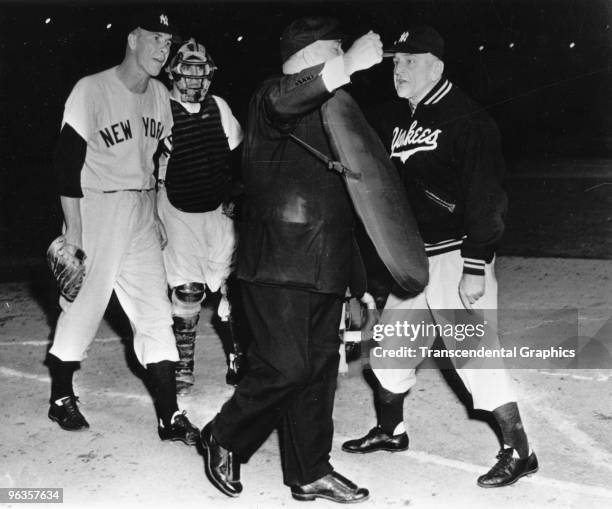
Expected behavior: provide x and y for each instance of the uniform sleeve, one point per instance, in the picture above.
(288, 98)
(232, 128)
(80, 109)
(481, 171)
(68, 162)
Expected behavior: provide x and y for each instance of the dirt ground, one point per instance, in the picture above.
(120, 462)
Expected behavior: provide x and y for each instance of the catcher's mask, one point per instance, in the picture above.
(191, 70)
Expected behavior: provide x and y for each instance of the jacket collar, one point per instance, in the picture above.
(437, 93)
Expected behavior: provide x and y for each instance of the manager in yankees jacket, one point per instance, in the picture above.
(296, 257)
(448, 153)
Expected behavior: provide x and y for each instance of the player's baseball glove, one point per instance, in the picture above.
(67, 266)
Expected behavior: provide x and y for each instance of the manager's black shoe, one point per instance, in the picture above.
(377, 440)
(68, 415)
(508, 469)
(332, 486)
(181, 430)
(221, 466)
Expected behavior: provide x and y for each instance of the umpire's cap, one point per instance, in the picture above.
(304, 31)
(418, 39)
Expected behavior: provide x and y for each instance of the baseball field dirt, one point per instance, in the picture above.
(120, 461)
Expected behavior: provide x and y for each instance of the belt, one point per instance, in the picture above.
(129, 190)
(109, 191)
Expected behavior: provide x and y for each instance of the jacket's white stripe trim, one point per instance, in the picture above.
(473, 266)
(444, 243)
(440, 97)
(474, 261)
(440, 90)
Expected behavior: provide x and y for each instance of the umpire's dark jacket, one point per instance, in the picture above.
(298, 227)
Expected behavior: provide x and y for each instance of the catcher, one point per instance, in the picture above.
(194, 186)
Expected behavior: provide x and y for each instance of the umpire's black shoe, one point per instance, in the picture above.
(68, 415)
(377, 440)
(221, 466)
(508, 469)
(180, 430)
(332, 486)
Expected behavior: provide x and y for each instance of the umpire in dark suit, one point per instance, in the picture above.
(296, 258)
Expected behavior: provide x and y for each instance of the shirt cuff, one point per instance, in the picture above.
(474, 266)
(333, 74)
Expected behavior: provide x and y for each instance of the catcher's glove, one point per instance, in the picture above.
(67, 266)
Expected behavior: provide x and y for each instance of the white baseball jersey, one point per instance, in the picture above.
(122, 130)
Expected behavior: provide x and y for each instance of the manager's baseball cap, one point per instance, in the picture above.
(155, 19)
(304, 31)
(418, 39)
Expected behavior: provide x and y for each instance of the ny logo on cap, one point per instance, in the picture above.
(163, 19)
(404, 37)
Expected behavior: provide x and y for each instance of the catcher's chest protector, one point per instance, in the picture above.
(198, 173)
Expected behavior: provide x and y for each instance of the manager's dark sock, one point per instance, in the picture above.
(61, 377)
(513, 433)
(162, 382)
(390, 407)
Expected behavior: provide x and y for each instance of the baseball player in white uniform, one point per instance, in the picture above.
(112, 126)
(194, 187)
(446, 149)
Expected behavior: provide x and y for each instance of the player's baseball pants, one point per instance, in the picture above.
(200, 245)
(123, 254)
(490, 388)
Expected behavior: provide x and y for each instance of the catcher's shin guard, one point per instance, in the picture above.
(186, 300)
(185, 344)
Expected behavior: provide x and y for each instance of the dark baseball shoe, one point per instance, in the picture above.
(508, 469)
(221, 466)
(377, 440)
(180, 430)
(68, 415)
(332, 486)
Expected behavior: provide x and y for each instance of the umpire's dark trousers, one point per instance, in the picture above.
(291, 381)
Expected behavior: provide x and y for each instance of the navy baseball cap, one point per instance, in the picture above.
(418, 39)
(155, 20)
(304, 31)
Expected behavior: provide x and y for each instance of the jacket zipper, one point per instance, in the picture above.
(443, 203)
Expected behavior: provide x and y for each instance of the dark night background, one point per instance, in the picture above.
(551, 101)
